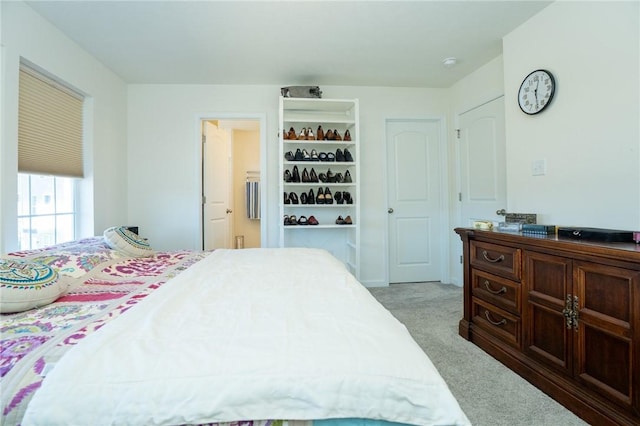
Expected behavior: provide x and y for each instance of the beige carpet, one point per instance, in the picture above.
(489, 393)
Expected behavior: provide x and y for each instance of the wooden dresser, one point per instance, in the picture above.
(563, 314)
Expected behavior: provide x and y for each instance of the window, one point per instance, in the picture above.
(46, 210)
(50, 118)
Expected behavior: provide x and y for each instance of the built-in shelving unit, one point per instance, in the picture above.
(335, 115)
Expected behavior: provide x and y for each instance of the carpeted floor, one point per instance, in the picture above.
(489, 393)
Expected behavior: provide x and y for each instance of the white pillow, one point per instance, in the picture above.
(131, 244)
(25, 285)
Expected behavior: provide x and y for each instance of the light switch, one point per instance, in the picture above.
(539, 167)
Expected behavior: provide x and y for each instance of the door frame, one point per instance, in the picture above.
(444, 190)
(264, 184)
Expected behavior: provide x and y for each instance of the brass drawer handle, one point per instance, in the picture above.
(501, 322)
(488, 259)
(487, 284)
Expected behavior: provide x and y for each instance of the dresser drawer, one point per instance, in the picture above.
(496, 290)
(497, 322)
(501, 260)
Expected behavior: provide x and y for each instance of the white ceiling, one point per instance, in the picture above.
(352, 43)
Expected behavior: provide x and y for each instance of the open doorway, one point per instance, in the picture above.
(232, 182)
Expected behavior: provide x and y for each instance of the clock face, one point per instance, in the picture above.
(536, 92)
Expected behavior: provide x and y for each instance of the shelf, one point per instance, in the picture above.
(318, 226)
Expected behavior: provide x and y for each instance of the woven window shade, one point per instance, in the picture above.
(49, 127)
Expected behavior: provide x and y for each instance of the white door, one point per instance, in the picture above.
(482, 163)
(414, 219)
(216, 167)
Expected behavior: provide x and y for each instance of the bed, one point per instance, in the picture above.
(235, 337)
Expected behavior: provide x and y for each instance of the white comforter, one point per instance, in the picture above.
(249, 334)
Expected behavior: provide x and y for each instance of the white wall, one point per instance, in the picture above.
(164, 152)
(25, 34)
(589, 135)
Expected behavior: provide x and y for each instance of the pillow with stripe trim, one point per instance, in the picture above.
(126, 242)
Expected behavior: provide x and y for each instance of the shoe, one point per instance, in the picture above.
(305, 155)
(339, 221)
(285, 220)
(347, 197)
(292, 134)
(287, 176)
(298, 156)
(347, 177)
(348, 221)
(303, 198)
(312, 220)
(338, 198)
(328, 198)
(329, 136)
(314, 155)
(313, 176)
(347, 156)
(289, 156)
(302, 135)
(331, 156)
(331, 178)
(302, 220)
(336, 135)
(296, 175)
(305, 176)
(286, 199)
(323, 177)
(293, 220)
(310, 135)
(293, 197)
(322, 156)
(347, 135)
(339, 155)
(339, 178)
(311, 199)
(320, 134)
(320, 196)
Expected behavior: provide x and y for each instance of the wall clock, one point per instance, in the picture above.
(536, 92)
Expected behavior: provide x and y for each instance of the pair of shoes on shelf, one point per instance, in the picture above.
(343, 156)
(324, 196)
(292, 177)
(332, 135)
(290, 135)
(343, 197)
(291, 198)
(308, 177)
(346, 221)
(306, 134)
(290, 220)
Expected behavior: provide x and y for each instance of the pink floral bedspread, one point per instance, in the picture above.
(106, 285)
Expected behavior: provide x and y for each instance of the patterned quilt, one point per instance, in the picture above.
(106, 285)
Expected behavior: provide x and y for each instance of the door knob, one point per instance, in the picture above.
(390, 210)
(501, 212)
(229, 211)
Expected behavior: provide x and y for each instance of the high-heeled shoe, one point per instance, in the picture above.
(347, 177)
(296, 175)
(305, 155)
(286, 199)
(293, 197)
(328, 198)
(285, 219)
(310, 135)
(320, 134)
(302, 135)
(338, 178)
(312, 220)
(347, 136)
(340, 220)
(287, 176)
(305, 176)
(314, 155)
(292, 134)
(313, 176)
(348, 221)
(311, 199)
(298, 156)
(347, 197)
(347, 156)
(293, 220)
(320, 196)
(302, 220)
(289, 156)
(339, 155)
(337, 135)
(323, 177)
(329, 136)
(303, 198)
